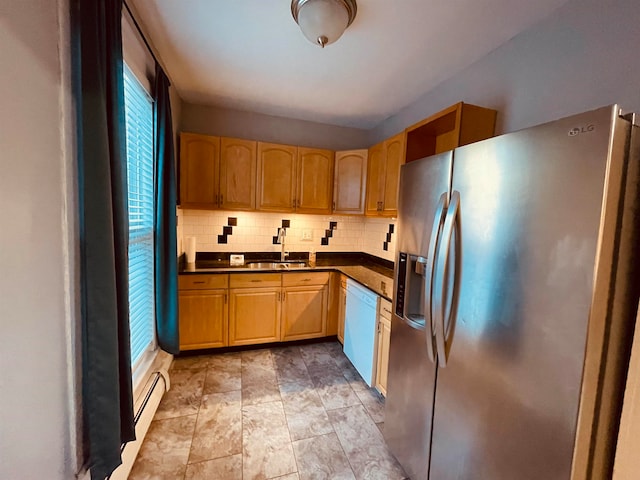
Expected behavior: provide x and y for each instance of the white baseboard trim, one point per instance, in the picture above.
(146, 403)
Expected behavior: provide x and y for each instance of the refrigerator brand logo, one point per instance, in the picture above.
(578, 130)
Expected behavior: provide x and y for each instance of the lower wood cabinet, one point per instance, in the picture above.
(256, 308)
(384, 338)
(203, 307)
(342, 307)
(254, 316)
(203, 319)
(304, 312)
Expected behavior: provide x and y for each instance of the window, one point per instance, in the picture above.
(140, 180)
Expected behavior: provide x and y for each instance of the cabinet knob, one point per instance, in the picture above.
(333, 206)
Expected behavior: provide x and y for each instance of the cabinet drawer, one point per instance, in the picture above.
(202, 282)
(304, 278)
(248, 280)
(385, 308)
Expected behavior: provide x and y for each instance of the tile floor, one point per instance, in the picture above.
(292, 413)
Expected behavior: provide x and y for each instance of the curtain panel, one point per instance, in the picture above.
(107, 401)
(166, 268)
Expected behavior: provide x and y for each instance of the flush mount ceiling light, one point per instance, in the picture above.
(323, 21)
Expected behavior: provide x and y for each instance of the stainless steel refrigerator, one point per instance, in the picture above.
(516, 290)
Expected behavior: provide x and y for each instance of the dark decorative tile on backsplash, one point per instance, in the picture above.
(388, 237)
(328, 233)
(227, 230)
(324, 241)
(232, 221)
(392, 227)
(286, 223)
(222, 239)
(385, 246)
(275, 240)
(333, 225)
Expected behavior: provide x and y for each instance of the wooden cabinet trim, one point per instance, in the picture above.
(304, 278)
(255, 280)
(203, 281)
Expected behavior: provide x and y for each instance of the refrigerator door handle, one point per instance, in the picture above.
(428, 276)
(442, 263)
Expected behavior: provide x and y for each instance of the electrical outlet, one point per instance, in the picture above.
(307, 234)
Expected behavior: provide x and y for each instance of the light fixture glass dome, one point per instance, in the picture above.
(323, 21)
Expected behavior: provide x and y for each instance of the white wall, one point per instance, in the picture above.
(37, 250)
(583, 56)
(267, 128)
(255, 232)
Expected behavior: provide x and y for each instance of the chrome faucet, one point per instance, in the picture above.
(282, 232)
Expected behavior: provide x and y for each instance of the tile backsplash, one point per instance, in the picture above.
(237, 231)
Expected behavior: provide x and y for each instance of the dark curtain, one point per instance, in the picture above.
(102, 190)
(166, 268)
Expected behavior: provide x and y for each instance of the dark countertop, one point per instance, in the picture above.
(374, 273)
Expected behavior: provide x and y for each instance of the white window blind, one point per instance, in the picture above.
(140, 180)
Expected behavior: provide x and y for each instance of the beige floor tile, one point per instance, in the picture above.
(289, 365)
(225, 468)
(334, 390)
(223, 374)
(306, 416)
(321, 458)
(373, 402)
(318, 359)
(259, 381)
(165, 449)
(267, 449)
(218, 431)
(364, 445)
(190, 362)
(184, 396)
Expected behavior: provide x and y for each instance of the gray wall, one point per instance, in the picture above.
(268, 128)
(585, 55)
(37, 258)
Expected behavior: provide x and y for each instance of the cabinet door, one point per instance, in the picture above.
(384, 337)
(276, 184)
(375, 179)
(237, 174)
(199, 166)
(394, 159)
(349, 185)
(342, 310)
(254, 315)
(304, 313)
(203, 319)
(315, 180)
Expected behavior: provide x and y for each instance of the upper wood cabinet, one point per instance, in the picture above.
(315, 180)
(276, 185)
(199, 168)
(237, 174)
(458, 125)
(394, 153)
(349, 184)
(217, 172)
(383, 179)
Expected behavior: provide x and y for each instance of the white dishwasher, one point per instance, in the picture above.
(360, 330)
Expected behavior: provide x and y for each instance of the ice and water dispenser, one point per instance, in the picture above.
(410, 288)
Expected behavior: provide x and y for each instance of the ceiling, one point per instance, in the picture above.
(250, 54)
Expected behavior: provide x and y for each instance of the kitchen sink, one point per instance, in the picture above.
(275, 265)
